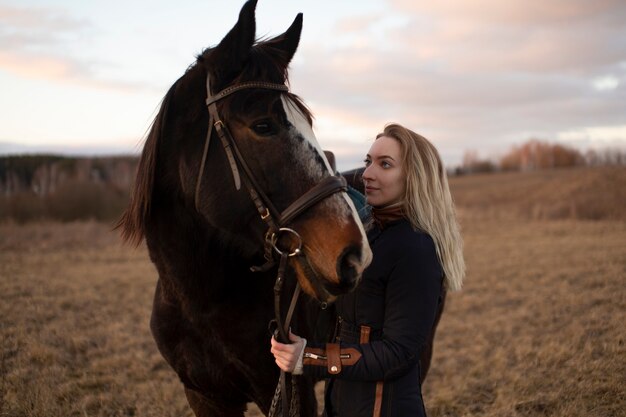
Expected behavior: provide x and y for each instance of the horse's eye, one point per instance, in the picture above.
(264, 128)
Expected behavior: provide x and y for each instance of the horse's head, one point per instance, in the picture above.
(271, 131)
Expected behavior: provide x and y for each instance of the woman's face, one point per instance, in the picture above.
(384, 177)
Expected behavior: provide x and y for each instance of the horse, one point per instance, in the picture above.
(229, 125)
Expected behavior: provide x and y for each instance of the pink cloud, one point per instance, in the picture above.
(35, 46)
(488, 35)
(36, 27)
(33, 40)
(520, 12)
(35, 66)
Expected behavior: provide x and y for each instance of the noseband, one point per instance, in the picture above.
(275, 220)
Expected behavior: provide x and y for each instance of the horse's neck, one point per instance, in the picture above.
(197, 260)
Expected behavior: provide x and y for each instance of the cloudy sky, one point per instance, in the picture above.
(87, 76)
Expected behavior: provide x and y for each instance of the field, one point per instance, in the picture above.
(538, 329)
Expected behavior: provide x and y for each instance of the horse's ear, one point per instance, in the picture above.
(288, 41)
(229, 57)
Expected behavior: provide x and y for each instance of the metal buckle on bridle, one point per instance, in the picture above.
(274, 239)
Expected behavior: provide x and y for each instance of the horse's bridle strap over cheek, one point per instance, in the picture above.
(219, 127)
(216, 122)
(327, 187)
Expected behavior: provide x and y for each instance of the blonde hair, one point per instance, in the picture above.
(428, 203)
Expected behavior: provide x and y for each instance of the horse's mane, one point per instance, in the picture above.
(133, 221)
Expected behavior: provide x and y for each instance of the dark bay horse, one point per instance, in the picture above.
(194, 203)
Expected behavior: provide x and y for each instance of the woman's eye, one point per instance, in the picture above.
(367, 162)
(263, 128)
(386, 164)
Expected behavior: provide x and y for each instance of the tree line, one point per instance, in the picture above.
(39, 187)
(537, 154)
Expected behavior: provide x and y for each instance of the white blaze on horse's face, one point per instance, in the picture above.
(340, 213)
(302, 127)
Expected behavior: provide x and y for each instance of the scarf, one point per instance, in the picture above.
(382, 216)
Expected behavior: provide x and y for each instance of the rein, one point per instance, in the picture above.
(274, 220)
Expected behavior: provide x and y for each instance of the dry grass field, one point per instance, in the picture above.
(538, 330)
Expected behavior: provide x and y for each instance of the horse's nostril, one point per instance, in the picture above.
(349, 269)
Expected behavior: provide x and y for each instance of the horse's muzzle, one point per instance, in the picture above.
(349, 269)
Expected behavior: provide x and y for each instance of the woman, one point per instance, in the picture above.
(384, 324)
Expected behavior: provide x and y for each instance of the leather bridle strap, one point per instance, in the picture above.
(327, 187)
(216, 122)
(282, 329)
(243, 86)
(264, 206)
(282, 335)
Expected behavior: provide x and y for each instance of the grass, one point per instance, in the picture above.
(538, 329)
(74, 337)
(597, 193)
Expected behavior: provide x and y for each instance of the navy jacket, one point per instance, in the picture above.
(397, 298)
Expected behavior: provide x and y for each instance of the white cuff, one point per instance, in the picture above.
(298, 369)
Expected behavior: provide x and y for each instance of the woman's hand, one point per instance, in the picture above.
(288, 355)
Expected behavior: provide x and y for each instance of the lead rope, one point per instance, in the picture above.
(281, 394)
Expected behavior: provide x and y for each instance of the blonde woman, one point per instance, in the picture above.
(373, 365)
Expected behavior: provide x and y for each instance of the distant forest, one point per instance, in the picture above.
(536, 154)
(38, 187)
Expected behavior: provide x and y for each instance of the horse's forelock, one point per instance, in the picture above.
(269, 64)
(265, 63)
(306, 112)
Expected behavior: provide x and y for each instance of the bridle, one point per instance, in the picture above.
(275, 220)
(267, 211)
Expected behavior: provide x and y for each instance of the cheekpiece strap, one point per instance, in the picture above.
(216, 123)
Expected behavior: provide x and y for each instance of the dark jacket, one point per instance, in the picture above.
(397, 299)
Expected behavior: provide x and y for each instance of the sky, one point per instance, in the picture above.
(87, 77)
